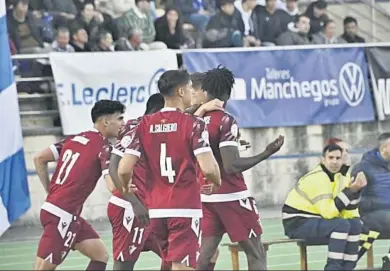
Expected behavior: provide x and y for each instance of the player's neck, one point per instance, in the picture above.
(174, 103)
(100, 129)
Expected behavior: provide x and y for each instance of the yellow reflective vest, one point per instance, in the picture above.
(320, 194)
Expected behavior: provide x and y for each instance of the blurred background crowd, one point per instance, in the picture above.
(41, 26)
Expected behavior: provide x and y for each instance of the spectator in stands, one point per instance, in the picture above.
(105, 42)
(350, 31)
(375, 204)
(316, 12)
(91, 20)
(195, 12)
(61, 44)
(131, 43)
(140, 17)
(292, 10)
(169, 29)
(327, 35)
(246, 7)
(226, 28)
(269, 22)
(298, 35)
(115, 8)
(80, 39)
(322, 208)
(63, 11)
(23, 29)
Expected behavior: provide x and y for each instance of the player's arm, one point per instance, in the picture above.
(129, 160)
(229, 148)
(115, 180)
(41, 161)
(204, 155)
(201, 109)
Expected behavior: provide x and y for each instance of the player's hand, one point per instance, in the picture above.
(142, 213)
(213, 105)
(130, 189)
(359, 182)
(208, 189)
(275, 145)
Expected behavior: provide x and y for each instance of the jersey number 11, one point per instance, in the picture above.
(166, 164)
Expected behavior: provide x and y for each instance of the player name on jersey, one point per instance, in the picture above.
(163, 128)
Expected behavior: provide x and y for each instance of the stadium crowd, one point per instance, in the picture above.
(41, 26)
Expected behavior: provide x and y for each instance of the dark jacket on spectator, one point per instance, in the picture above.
(175, 40)
(375, 195)
(92, 28)
(268, 27)
(55, 7)
(292, 38)
(77, 48)
(33, 24)
(223, 25)
(187, 8)
(315, 23)
(354, 39)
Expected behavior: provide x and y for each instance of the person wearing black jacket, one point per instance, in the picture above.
(226, 28)
(316, 13)
(350, 31)
(269, 22)
(169, 29)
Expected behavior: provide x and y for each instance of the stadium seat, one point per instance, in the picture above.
(235, 248)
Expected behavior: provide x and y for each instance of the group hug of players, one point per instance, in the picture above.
(175, 175)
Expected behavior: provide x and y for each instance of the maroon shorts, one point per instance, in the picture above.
(182, 236)
(129, 237)
(239, 219)
(61, 234)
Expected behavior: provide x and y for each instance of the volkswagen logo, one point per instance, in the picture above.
(351, 82)
(153, 81)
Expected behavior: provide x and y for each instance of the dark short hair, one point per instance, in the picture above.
(62, 29)
(76, 28)
(197, 78)
(331, 148)
(320, 4)
(171, 80)
(106, 107)
(154, 103)
(350, 19)
(218, 82)
(383, 138)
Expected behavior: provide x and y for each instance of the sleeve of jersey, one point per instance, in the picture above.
(122, 143)
(200, 137)
(229, 132)
(104, 157)
(321, 197)
(56, 149)
(134, 146)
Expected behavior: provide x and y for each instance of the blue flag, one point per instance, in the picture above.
(14, 193)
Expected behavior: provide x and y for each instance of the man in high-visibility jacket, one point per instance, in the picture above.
(322, 209)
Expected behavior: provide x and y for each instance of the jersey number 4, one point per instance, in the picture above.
(68, 161)
(166, 164)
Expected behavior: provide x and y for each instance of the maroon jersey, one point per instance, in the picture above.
(169, 140)
(82, 159)
(122, 142)
(223, 130)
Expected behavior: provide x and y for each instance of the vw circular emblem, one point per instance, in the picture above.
(352, 85)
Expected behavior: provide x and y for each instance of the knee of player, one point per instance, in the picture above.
(105, 257)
